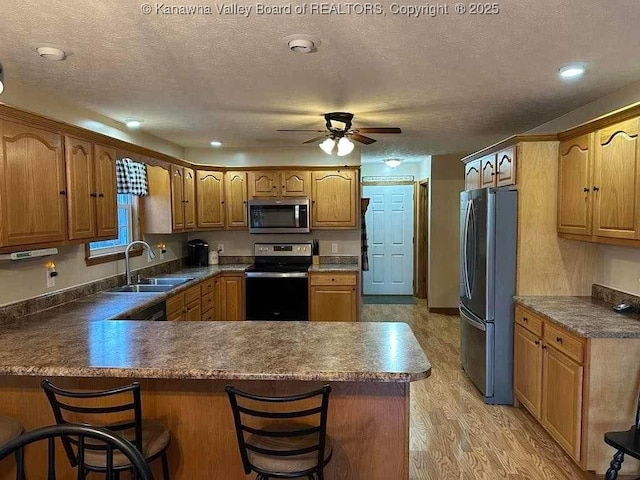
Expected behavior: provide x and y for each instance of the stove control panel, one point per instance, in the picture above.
(282, 249)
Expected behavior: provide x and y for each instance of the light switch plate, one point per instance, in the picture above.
(221, 248)
(334, 248)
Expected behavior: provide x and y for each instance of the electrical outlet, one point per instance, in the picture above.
(334, 248)
(162, 254)
(221, 248)
(51, 281)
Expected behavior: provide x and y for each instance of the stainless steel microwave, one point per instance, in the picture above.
(281, 215)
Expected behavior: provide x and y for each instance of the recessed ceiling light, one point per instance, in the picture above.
(572, 71)
(215, 143)
(133, 122)
(51, 53)
(300, 43)
(1, 79)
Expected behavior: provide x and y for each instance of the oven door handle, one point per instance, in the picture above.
(276, 275)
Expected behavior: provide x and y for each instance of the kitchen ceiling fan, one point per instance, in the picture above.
(339, 130)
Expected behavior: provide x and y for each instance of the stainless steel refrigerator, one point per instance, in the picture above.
(488, 221)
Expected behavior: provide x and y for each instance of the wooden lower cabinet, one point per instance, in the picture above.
(577, 388)
(333, 297)
(562, 399)
(527, 366)
(185, 305)
(229, 297)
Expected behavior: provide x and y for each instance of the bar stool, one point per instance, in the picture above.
(627, 442)
(10, 428)
(285, 447)
(150, 437)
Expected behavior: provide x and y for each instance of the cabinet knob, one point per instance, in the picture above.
(525, 319)
(101, 195)
(63, 192)
(94, 195)
(586, 189)
(544, 347)
(596, 189)
(537, 342)
(559, 339)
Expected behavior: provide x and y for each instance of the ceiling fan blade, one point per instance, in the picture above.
(361, 138)
(298, 130)
(320, 137)
(379, 130)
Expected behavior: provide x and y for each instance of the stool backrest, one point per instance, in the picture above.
(638, 414)
(66, 410)
(79, 433)
(242, 413)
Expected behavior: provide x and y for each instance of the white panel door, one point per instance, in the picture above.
(389, 221)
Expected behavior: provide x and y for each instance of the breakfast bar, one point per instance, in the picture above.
(184, 366)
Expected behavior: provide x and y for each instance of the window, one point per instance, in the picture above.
(126, 229)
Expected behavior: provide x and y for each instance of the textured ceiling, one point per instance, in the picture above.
(453, 83)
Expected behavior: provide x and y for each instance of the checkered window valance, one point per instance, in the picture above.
(131, 177)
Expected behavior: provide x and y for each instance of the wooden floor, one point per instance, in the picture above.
(454, 435)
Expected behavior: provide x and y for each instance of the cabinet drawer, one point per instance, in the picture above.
(333, 279)
(563, 341)
(207, 286)
(192, 294)
(209, 315)
(529, 321)
(176, 316)
(207, 301)
(175, 305)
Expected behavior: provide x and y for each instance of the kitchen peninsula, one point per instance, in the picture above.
(184, 366)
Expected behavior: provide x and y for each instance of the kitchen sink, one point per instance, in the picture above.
(141, 288)
(173, 281)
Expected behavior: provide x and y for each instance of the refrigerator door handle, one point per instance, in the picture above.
(465, 259)
(473, 323)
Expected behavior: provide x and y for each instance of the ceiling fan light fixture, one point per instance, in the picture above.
(345, 147)
(1, 79)
(393, 162)
(327, 145)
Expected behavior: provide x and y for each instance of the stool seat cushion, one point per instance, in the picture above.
(288, 464)
(10, 428)
(155, 438)
(628, 442)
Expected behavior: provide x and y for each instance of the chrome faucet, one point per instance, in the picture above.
(150, 256)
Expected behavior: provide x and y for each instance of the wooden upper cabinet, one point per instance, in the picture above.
(210, 199)
(506, 167)
(107, 194)
(189, 193)
(561, 412)
(616, 186)
(472, 175)
(177, 197)
(527, 366)
(235, 190)
(81, 195)
(296, 183)
(334, 195)
(488, 171)
(32, 186)
(264, 184)
(574, 185)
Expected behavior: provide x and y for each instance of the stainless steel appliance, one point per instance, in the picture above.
(488, 220)
(282, 215)
(197, 253)
(277, 284)
(157, 312)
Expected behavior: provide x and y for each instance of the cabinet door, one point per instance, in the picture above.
(234, 297)
(562, 399)
(189, 199)
(32, 186)
(107, 201)
(574, 185)
(219, 306)
(506, 167)
(296, 184)
(264, 184)
(472, 175)
(334, 196)
(528, 369)
(488, 171)
(235, 192)
(193, 311)
(210, 199)
(616, 188)
(333, 303)
(177, 197)
(82, 196)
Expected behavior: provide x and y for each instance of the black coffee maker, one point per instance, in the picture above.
(197, 253)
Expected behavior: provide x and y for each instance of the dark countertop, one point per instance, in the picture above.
(107, 306)
(584, 316)
(306, 351)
